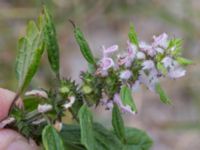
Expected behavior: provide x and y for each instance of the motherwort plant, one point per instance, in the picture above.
(109, 81)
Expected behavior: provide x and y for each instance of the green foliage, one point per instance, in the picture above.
(86, 125)
(126, 97)
(91, 88)
(69, 88)
(85, 134)
(117, 123)
(176, 46)
(30, 50)
(161, 68)
(137, 140)
(183, 61)
(84, 47)
(133, 36)
(105, 139)
(163, 97)
(51, 41)
(51, 139)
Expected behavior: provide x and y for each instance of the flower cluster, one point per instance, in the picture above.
(142, 63)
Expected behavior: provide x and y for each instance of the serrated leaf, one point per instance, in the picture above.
(86, 125)
(163, 97)
(30, 50)
(161, 68)
(51, 139)
(133, 36)
(84, 47)
(51, 41)
(126, 97)
(137, 140)
(183, 61)
(105, 139)
(118, 123)
(71, 133)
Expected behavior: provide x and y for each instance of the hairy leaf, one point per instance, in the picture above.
(84, 47)
(163, 97)
(133, 36)
(117, 123)
(51, 41)
(137, 140)
(183, 61)
(105, 139)
(30, 50)
(86, 125)
(126, 97)
(51, 139)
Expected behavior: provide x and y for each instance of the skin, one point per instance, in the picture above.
(9, 139)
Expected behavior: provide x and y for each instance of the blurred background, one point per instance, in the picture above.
(106, 22)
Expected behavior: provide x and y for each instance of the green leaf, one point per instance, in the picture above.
(133, 36)
(126, 97)
(51, 41)
(161, 68)
(70, 146)
(105, 139)
(51, 139)
(117, 123)
(176, 45)
(137, 140)
(71, 133)
(84, 47)
(163, 97)
(30, 50)
(86, 125)
(183, 61)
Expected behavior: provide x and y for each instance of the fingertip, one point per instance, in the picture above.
(6, 98)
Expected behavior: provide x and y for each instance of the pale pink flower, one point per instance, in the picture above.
(39, 93)
(174, 69)
(176, 73)
(70, 103)
(42, 108)
(132, 49)
(110, 49)
(127, 58)
(106, 102)
(106, 63)
(140, 55)
(161, 40)
(148, 64)
(148, 49)
(150, 80)
(126, 74)
(159, 50)
(124, 108)
(168, 62)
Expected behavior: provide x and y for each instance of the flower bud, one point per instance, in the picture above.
(70, 103)
(39, 93)
(44, 108)
(6, 122)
